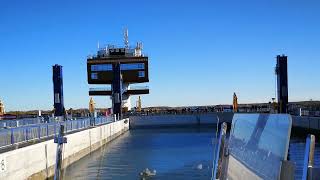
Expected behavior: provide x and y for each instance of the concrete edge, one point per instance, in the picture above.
(49, 172)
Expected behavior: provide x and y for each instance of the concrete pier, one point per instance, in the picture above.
(37, 161)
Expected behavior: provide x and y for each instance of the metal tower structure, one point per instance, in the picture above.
(118, 68)
(59, 110)
(282, 83)
(117, 91)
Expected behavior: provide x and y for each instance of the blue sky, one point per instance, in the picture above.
(200, 51)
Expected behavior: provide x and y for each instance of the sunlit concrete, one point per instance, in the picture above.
(37, 161)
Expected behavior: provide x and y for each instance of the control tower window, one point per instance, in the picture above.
(101, 67)
(94, 75)
(135, 66)
(141, 74)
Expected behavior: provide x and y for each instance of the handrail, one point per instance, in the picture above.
(32, 132)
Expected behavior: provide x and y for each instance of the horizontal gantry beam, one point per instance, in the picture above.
(109, 92)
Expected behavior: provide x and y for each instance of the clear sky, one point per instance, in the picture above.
(200, 52)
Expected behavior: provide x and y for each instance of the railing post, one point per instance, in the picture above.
(12, 136)
(311, 157)
(47, 130)
(307, 159)
(26, 137)
(219, 153)
(39, 131)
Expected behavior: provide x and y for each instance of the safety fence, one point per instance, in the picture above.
(19, 122)
(27, 133)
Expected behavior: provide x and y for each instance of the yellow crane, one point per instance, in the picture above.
(139, 104)
(2, 111)
(91, 105)
(235, 103)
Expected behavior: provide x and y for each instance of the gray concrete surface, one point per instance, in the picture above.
(37, 161)
(308, 123)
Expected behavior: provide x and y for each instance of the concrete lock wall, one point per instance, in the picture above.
(37, 161)
(179, 119)
(308, 123)
(312, 123)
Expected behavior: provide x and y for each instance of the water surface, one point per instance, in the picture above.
(174, 153)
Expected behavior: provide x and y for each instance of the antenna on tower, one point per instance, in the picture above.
(126, 38)
(98, 45)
